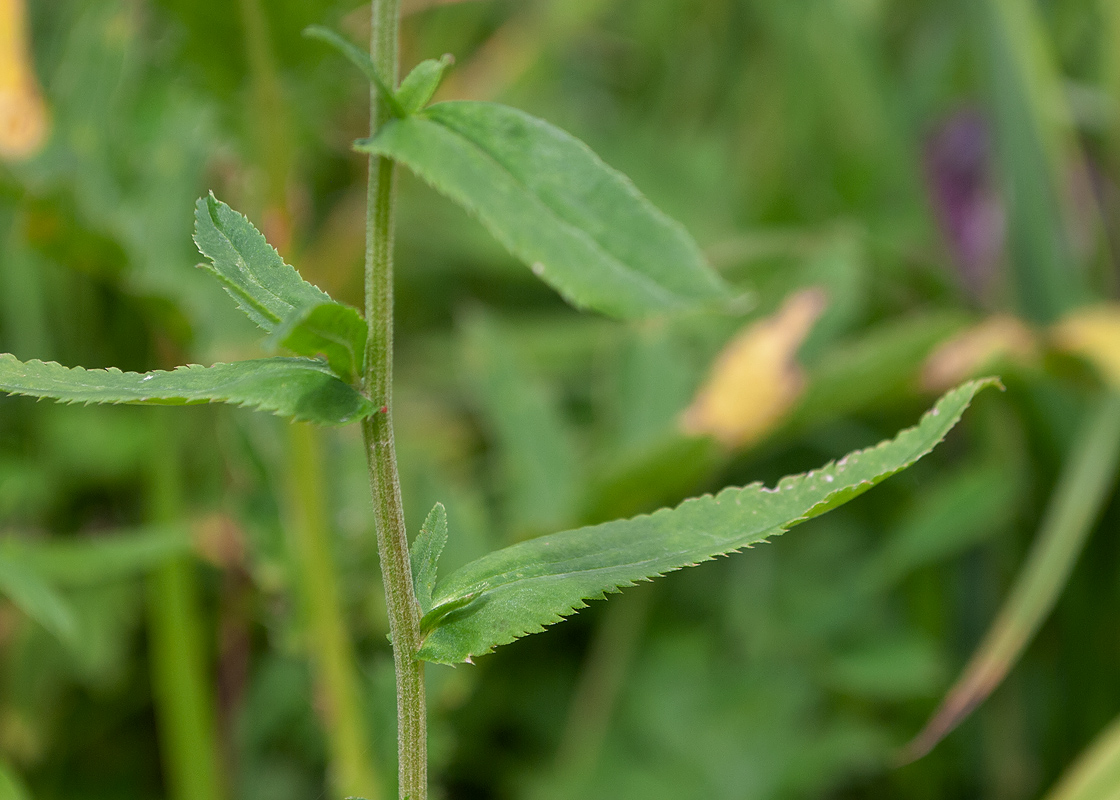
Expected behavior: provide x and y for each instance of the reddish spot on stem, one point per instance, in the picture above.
(384, 409)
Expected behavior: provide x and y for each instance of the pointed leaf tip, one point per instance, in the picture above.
(426, 551)
(582, 227)
(521, 589)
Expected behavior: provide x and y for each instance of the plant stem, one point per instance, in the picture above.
(184, 709)
(331, 651)
(392, 541)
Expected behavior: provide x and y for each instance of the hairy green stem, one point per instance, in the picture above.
(392, 541)
(332, 654)
(183, 705)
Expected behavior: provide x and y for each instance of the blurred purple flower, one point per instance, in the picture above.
(958, 168)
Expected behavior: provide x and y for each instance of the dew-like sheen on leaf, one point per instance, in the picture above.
(582, 226)
(521, 589)
(301, 388)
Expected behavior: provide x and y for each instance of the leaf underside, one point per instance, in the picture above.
(302, 318)
(301, 388)
(521, 589)
(582, 226)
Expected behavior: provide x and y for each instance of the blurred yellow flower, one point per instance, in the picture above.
(756, 379)
(23, 114)
(1093, 333)
(973, 351)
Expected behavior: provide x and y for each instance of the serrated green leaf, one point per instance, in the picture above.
(426, 551)
(332, 330)
(359, 58)
(37, 599)
(523, 588)
(581, 226)
(250, 269)
(420, 85)
(301, 388)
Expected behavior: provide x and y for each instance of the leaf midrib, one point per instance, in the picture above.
(619, 267)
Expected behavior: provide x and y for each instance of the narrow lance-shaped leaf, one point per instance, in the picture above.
(301, 317)
(300, 388)
(1086, 484)
(521, 589)
(426, 551)
(581, 226)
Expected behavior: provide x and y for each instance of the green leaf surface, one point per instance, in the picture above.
(420, 85)
(521, 589)
(301, 388)
(331, 330)
(37, 599)
(426, 551)
(300, 317)
(581, 226)
(250, 269)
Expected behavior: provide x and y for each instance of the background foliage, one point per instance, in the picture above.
(914, 192)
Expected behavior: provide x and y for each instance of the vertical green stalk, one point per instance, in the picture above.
(332, 653)
(351, 767)
(392, 541)
(184, 711)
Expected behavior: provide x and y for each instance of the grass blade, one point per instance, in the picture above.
(1086, 484)
(1096, 774)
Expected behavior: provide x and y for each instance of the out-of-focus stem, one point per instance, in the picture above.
(181, 692)
(331, 651)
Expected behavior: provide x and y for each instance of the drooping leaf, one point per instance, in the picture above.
(301, 317)
(300, 388)
(1096, 774)
(420, 85)
(89, 561)
(426, 551)
(581, 226)
(330, 329)
(360, 58)
(37, 599)
(523, 588)
(1087, 482)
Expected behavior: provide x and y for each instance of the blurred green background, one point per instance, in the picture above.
(946, 172)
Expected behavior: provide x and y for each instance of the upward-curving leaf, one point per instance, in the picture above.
(301, 388)
(302, 318)
(517, 591)
(581, 226)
